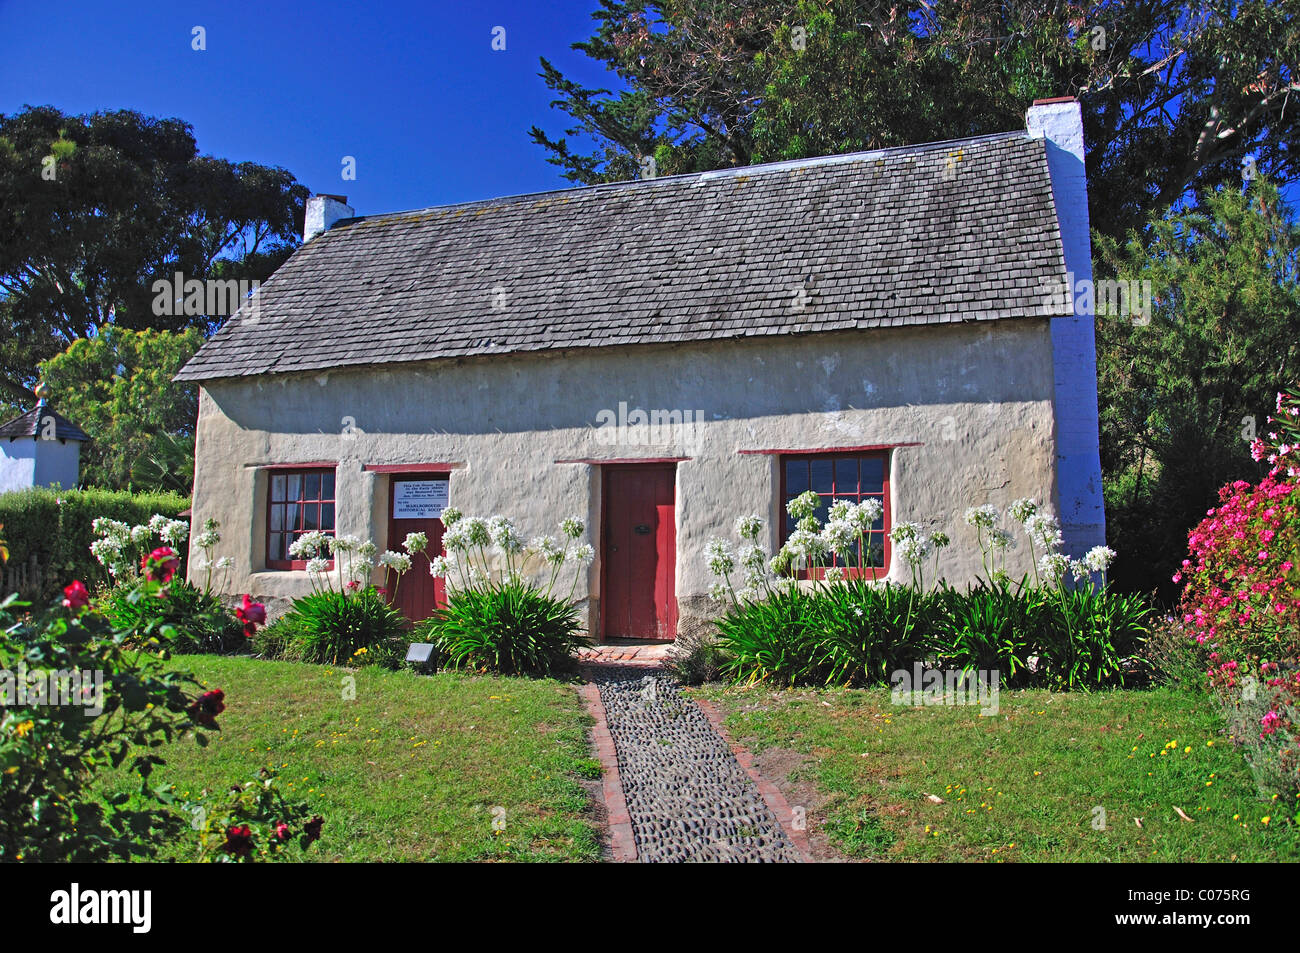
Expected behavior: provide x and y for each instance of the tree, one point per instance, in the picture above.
(1174, 98)
(1182, 396)
(95, 208)
(117, 386)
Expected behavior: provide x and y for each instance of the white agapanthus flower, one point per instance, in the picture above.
(1001, 539)
(805, 545)
(141, 534)
(111, 529)
(309, 544)
(225, 562)
(754, 560)
(367, 549)
(841, 536)
(585, 553)
(939, 539)
(834, 574)
(804, 506)
(317, 565)
(1054, 565)
(207, 539)
(1079, 570)
(572, 527)
(442, 566)
(345, 544)
(450, 517)
(543, 545)
(398, 562)
(719, 592)
(455, 539)
(905, 531)
(1044, 531)
(840, 510)
(175, 532)
(748, 527)
(157, 522)
(1022, 509)
(107, 550)
(913, 550)
(985, 516)
(1099, 558)
(722, 561)
(476, 531)
(415, 543)
(866, 513)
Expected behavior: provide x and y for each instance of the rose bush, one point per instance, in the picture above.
(1241, 600)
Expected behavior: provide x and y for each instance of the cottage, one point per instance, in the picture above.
(661, 356)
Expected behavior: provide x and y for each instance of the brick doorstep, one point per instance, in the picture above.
(622, 844)
(776, 802)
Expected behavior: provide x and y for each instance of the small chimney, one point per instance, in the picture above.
(1074, 350)
(322, 212)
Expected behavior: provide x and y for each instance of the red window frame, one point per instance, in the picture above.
(303, 506)
(855, 495)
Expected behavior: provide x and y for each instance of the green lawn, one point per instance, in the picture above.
(1022, 785)
(413, 769)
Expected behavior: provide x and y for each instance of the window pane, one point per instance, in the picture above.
(873, 475)
(796, 477)
(327, 488)
(277, 546)
(277, 518)
(846, 476)
(291, 518)
(310, 516)
(295, 486)
(312, 489)
(277, 488)
(327, 517)
(821, 474)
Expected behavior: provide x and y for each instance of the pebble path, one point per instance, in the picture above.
(687, 797)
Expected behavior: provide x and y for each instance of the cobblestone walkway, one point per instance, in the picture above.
(687, 797)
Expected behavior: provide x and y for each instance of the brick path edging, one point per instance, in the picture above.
(621, 842)
(776, 801)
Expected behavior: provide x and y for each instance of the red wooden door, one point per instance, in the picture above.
(639, 552)
(419, 593)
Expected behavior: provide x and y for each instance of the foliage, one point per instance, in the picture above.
(56, 527)
(117, 386)
(1182, 396)
(1241, 599)
(126, 201)
(253, 822)
(330, 626)
(502, 614)
(198, 619)
(695, 659)
(1170, 99)
(49, 751)
(507, 627)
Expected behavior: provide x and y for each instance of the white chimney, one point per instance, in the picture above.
(1074, 349)
(322, 212)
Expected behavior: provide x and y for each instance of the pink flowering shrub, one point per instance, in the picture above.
(1241, 601)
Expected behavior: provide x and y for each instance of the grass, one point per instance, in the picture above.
(1023, 785)
(413, 769)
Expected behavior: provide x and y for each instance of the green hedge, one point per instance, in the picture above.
(59, 534)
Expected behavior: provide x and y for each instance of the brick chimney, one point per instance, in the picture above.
(1074, 351)
(322, 212)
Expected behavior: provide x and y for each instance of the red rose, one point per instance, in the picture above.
(161, 564)
(75, 595)
(239, 841)
(207, 707)
(282, 831)
(252, 614)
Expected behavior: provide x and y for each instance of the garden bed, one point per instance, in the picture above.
(414, 769)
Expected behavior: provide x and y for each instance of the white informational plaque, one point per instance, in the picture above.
(420, 499)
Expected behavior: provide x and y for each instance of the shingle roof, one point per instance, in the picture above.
(943, 232)
(33, 423)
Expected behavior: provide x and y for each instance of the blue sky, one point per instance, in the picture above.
(414, 91)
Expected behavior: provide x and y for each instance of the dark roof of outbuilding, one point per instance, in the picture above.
(943, 232)
(32, 424)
